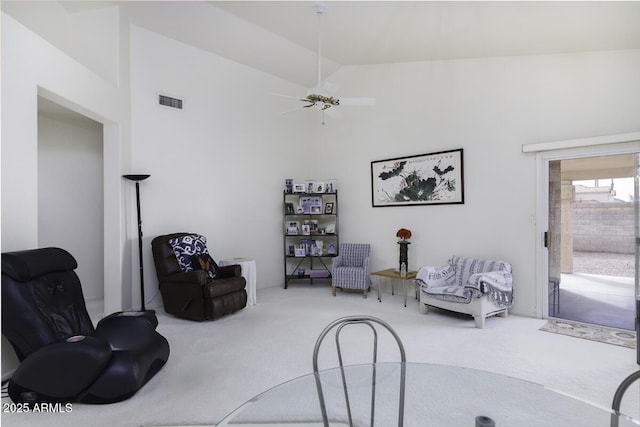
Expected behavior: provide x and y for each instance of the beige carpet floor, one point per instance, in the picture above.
(216, 366)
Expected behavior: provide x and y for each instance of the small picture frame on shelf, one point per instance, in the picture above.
(292, 250)
(315, 251)
(299, 209)
(311, 204)
(298, 187)
(289, 209)
(313, 225)
(328, 208)
(306, 230)
(330, 228)
(330, 186)
(319, 187)
(311, 185)
(288, 185)
(331, 249)
(293, 228)
(300, 251)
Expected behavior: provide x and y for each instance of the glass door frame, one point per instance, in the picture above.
(546, 152)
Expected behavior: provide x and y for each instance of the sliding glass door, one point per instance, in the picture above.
(592, 239)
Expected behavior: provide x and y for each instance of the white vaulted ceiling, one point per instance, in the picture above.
(280, 37)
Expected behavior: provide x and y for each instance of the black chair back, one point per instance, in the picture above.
(42, 300)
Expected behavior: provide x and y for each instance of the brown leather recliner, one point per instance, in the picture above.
(193, 294)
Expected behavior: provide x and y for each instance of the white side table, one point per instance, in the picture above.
(248, 267)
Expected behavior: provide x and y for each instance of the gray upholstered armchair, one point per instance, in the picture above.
(350, 269)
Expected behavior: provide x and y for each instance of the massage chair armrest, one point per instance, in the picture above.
(435, 276)
(227, 271)
(130, 330)
(60, 371)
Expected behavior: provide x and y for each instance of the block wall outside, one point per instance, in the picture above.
(603, 227)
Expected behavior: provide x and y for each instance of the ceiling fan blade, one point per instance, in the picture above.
(330, 88)
(291, 110)
(357, 102)
(288, 96)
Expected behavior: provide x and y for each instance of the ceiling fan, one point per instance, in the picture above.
(321, 97)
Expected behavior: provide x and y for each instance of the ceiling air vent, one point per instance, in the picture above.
(169, 101)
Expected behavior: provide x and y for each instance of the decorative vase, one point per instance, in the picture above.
(404, 255)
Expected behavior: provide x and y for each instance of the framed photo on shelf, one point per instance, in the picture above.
(330, 186)
(328, 208)
(292, 250)
(331, 249)
(289, 209)
(319, 187)
(424, 179)
(300, 251)
(293, 228)
(306, 229)
(313, 225)
(311, 204)
(298, 188)
(311, 185)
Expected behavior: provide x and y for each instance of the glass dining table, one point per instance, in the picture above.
(435, 395)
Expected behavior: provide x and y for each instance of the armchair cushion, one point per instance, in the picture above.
(184, 247)
(204, 262)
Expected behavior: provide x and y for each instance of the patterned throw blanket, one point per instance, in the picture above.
(464, 279)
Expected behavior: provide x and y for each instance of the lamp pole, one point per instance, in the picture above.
(137, 179)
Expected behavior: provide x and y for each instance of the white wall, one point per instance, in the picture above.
(30, 67)
(89, 36)
(70, 196)
(488, 107)
(218, 166)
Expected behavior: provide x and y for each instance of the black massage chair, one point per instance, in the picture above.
(63, 358)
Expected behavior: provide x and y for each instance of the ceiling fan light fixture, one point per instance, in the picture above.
(321, 97)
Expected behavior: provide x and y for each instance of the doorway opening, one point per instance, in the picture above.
(591, 241)
(71, 195)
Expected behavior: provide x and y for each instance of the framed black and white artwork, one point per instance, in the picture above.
(423, 179)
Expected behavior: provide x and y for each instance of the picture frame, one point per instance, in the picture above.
(289, 209)
(306, 230)
(293, 228)
(313, 225)
(328, 208)
(311, 204)
(424, 179)
(300, 251)
(298, 187)
(310, 186)
(331, 249)
(319, 187)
